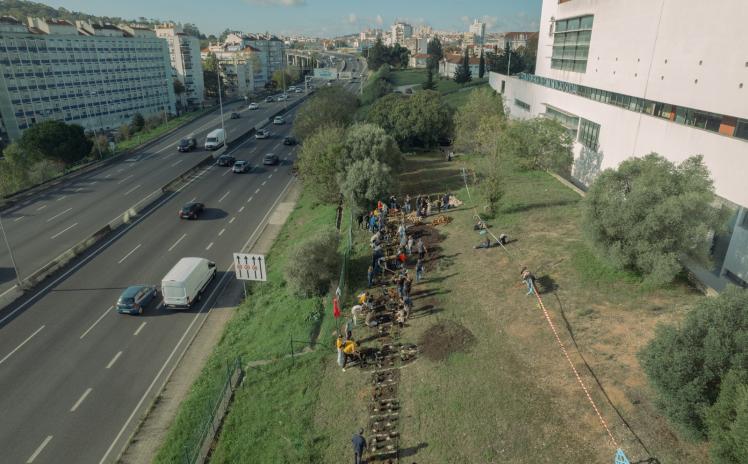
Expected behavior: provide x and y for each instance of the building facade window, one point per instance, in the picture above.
(568, 120)
(589, 133)
(522, 104)
(571, 43)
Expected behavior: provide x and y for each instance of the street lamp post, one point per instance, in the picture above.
(96, 137)
(220, 103)
(10, 252)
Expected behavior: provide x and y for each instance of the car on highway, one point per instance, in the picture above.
(136, 298)
(226, 160)
(292, 88)
(185, 283)
(282, 97)
(279, 120)
(240, 167)
(235, 115)
(187, 144)
(269, 99)
(299, 90)
(191, 210)
(289, 141)
(262, 134)
(253, 106)
(270, 159)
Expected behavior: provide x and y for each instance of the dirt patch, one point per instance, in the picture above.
(444, 338)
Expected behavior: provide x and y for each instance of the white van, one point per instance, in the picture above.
(186, 281)
(215, 139)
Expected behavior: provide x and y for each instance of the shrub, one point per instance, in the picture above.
(318, 162)
(728, 420)
(312, 264)
(329, 106)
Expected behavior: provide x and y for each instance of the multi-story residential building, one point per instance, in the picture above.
(184, 51)
(94, 75)
(449, 64)
(659, 90)
(268, 54)
(478, 30)
(399, 32)
(513, 40)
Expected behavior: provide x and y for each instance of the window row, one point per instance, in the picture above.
(571, 44)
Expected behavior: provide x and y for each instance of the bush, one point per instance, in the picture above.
(687, 364)
(728, 420)
(138, 122)
(367, 141)
(318, 163)
(312, 265)
(374, 90)
(329, 106)
(478, 123)
(538, 144)
(365, 181)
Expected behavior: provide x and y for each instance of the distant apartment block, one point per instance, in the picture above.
(658, 90)
(184, 52)
(399, 32)
(449, 64)
(266, 53)
(94, 75)
(478, 30)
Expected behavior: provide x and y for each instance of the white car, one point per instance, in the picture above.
(253, 106)
(262, 134)
(299, 90)
(292, 88)
(281, 97)
(279, 120)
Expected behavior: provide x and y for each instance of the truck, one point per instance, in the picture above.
(215, 139)
(185, 283)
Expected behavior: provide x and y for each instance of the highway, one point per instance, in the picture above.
(52, 221)
(73, 372)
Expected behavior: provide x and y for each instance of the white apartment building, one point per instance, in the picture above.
(478, 30)
(268, 52)
(184, 51)
(451, 62)
(627, 79)
(399, 32)
(97, 76)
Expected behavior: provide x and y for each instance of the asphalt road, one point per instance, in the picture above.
(51, 222)
(73, 373)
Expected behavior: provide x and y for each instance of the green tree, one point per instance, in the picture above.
(508, 57)
(291, 76)
(377, 55)
(376, 87)
(529, 54)
(399, 56)
(210, 76)
(312, 264)
(463, 73)
(138, 122)
(178, 87)
(365, 181)
(479, 122)
(687, 363)
(435, 52)
(327, 107)
(367, 141)
(429, 84)
(55, 140)
(647, 213)
(727, 420)
(491, 184)
(318, 162)
(481, 65)
(538, 144)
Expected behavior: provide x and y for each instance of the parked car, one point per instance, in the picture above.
(186, 282)
(409, 91)
(235, 115)
(240, 167)
(262, 134)
(226, 160)
(279, 120)
(270, 159)
(136, 298)
(253, 106)
(269, 99)
(191, 210)
(187, 144)
(289, 141)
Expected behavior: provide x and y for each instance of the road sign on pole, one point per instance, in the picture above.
(249, 266)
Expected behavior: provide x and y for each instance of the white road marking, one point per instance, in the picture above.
(241, 209)
(140, 328)
(210, 245)
(62, 198)
(22, 343)
(127, 255)
(58, 215)
(232, 220)
(97, 321)
(221, 232)
(78, 189)
(114, 360)
(270, 176)
(63, 231)
(285, 158)
(94, 183)
(125, 179)
(177, 242)
(120, 169)
(177, 162)
(257, 191)
(41, 207)
(224, 196)
(18, 218)
(227, 171)
(250, 199)
(276, 169)
(132, 189)
(40, 449)
(8, 291)
(80, 400)
(193, 200)
(108, 176)
(264, 182)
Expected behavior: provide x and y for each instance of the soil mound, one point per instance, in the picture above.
(445, 338)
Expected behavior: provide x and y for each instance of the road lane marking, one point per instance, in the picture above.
(40, 449)
(177, 162)
(232, 220)
(22, 343)
(58, 215)
(63, 231)
(80, 400)
(127, 255)
(125, 179)
(270, 175)
(41, 207)
(221, 232)
(93, 183)
(62, 198)
(8, 290)
(224, 196)
(108, 176)
(114, 360)
(97, 321)
(120, 169)
(210, 245)
(264, 182)
(226, 172)
(132, 190)
(18, 218)
(250, 199)
(193, 200)
(177, 242)
(241, 209)
(139, 328)
(276, 169)
(78, 189)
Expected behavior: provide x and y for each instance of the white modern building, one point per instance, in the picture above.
(94, 75)
(478, 30)
(184, 51)
(627, 79)
(399, 32)
(449, 64)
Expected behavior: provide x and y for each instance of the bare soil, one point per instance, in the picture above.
(444, 338)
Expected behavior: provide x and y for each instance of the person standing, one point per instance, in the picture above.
(528, 279)
(406, 204)
(370, 276)
(359, 446)
(419, 270)
(445, 201)
(409, 245)
(421, 248)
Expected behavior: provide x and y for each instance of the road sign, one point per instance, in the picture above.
(325, 73)
(250, 267)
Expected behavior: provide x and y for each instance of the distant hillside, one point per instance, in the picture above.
(21, 9)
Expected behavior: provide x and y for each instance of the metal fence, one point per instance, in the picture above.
(197, 446)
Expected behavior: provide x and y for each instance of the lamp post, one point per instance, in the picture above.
(96, 137)
(220, 104)
(10, 252)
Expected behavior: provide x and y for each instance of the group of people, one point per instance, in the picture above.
(423, 205)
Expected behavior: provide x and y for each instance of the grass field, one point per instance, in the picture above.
(418, 76)
(459, 98)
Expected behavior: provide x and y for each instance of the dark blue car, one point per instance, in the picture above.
(135, 298)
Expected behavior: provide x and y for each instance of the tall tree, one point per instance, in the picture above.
(318, 162)
(435, 52)
(481, 65)
(463, 73)
(429, 84)
(56, 141)
(377, 55)
(211, 75)
(419, 121)
(479, 122)
(328, 106)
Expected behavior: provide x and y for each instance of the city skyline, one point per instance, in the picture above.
(322, 18)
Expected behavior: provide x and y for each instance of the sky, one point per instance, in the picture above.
(321, 18)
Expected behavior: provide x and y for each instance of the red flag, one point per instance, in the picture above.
(335, 308)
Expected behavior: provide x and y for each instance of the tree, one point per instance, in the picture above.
(211, 75)
(367, 141)
(290, 76)
(688, 364)
(417, 121)
(179, 88)
(481, 65)
(378, 55)
(463, 73)
(649, 212)
(399, 56)
(365, 181)
(727, 420)
(138, 122)
(312, 264)
(318, 162)
(538, 144)
(429, 84)
(57, 141)
(376, 86)
(327, 107)
(435, 52)
(491, 184)
(529, 54)
(479, 122)
(498, 62)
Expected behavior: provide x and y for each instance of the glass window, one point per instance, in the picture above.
(741, 129)
(589, 133)
(573, 24)
(571, 44)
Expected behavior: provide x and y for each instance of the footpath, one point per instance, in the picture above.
(151, 432)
